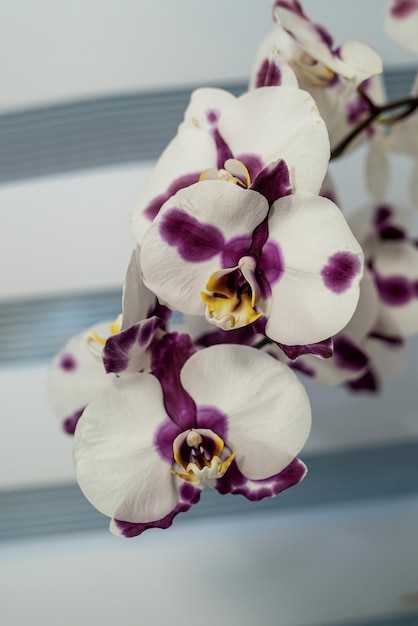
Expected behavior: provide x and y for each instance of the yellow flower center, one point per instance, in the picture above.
(202, 455)
(234, 296)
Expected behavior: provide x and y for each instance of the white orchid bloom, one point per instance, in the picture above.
(79, 370)
(255, 130)
(148, 444)
(401, 21)
(330, 74)
(236, 255)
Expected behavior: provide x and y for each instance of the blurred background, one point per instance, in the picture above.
(91, 92)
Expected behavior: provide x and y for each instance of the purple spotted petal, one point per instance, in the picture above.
(243, 336)
(126, 351)
(269, 75)
(168, 357)
(340, 271)
(152, 209)
(348, 355)
(368, 382)
(194, 241)
(273, 182)
(70, 422)
(189, 496)
(236, 483)
(322, 349)
(402, 9)
(395, 290)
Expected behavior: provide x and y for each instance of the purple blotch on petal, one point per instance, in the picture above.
(394, 290)
(210, 417)
(322, 349)
(195, 242)
(69, 424)
(340, 271)
(168, 357)
(381, 214)
(153, 208)
(222, 149)
(403, 8)
(164, 439)
(235, 249)
(212, 116)
(368, 382)
(269, 75)
(270, 267)
(252, 162)
(189, 496)
(392, 233)
(273, 182)
(395, 342)
(348, 355)
(243, 336)
(236, 483)
(68, 362)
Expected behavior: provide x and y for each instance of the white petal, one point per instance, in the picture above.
(399, 260)
(138, 301)
(76, 375)
(404, 29)
(267, 408)
(280, 123)
(233, 211)
(312, 234)
(118, 467)
(271, 50)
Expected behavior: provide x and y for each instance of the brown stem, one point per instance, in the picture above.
(376, 111)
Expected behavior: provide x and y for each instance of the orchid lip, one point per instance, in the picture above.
(234, 171)
(234, 295)
(202, 455)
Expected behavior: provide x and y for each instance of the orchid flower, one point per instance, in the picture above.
(78, 371)
(255, 130)
(392, 257)
(237, 255)
(401, 21)
(330, 74)
(146, 447)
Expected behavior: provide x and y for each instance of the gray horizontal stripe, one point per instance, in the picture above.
(333, 479)
(392, 620)
(106, 131)
(35, 329)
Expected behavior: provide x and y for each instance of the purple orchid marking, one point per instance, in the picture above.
(273, 182)
(323, 349)
(68, 362)
(69, 424)
(340, 271)
(223, 151)
(368, 382)
(269, 75)
(394, 342)
(116, 353)
(189, 496)
(392, 233)
(252, 162)
(348, 355)
(195, 242)
(382, 214)
(168, 357)
(236, 483)
(243, 336)
(395, 290)
(403, 8)
(153, 208)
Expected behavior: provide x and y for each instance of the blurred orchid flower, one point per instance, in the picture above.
(148, 444)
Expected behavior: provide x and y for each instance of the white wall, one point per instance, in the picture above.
(55, 50)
